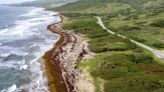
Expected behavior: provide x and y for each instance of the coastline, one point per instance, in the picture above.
(28, 43)
(61, 60)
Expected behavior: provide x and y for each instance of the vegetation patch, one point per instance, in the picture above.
(118, 61)
(124, 66)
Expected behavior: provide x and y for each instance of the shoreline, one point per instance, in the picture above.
(61, 60)
(24, 60)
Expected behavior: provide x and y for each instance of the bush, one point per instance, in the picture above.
(114, 66)
(159, 45)
(158, 23)
(129, 28)
(110, 43)
(140, 58)
(138, 39)
(137, 83)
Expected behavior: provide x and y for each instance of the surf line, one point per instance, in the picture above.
(59, 80)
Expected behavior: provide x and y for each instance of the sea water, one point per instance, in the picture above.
(23, 40)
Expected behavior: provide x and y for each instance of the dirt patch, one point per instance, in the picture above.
(85, 83)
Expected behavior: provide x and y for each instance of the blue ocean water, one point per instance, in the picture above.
(10, 14)
(23, 40)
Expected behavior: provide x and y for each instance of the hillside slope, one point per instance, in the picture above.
(44, 3)
(144, 5)
(141, 20)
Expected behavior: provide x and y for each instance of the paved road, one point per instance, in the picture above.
(157, 53)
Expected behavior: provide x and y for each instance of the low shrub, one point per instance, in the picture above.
(158, 23)
(129, 28)
(159, 45)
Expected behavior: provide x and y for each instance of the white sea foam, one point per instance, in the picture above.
(5, 55)
(7, 50)
(25, 67)
(23, 25)
(10, 89)
(38, 79)
(11, 64)
(3, 31)
(33, 12)
(39, 82)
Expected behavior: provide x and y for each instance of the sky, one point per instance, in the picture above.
(12, 1)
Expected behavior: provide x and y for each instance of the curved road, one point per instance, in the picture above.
(157, 53)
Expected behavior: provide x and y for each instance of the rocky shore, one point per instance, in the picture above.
(61, 60)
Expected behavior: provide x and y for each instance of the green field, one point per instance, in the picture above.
(141, 20)
(123, 66)
(143, 28)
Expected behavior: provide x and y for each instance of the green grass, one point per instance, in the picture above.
(148, 30)
(121, 64)
(117, 69)
(100, 40)
(141, 20)
(117, 60)
(52, 6)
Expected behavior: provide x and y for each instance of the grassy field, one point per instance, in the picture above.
(141, 20)
(124, 66)
(143, 28)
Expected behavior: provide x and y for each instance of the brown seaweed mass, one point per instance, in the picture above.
(56, 82)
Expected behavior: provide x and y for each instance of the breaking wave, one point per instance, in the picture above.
(21, 49)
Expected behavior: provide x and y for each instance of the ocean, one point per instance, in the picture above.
(23, 41)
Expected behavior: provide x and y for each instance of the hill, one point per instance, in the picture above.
(141, 20)
(86, 5)
(45, 3)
